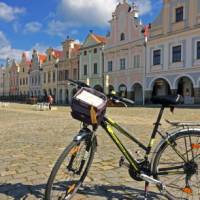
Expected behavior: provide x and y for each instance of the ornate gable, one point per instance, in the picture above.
(93, 39)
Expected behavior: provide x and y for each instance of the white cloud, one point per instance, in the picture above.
(145, 6)
(6, 49)
(32, 27)
(9, 13)
(41, 48)
(95, 12)
(60, 28)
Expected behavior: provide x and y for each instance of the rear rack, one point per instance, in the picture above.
(182, 124)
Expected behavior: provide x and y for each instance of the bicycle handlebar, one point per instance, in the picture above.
(114, 98)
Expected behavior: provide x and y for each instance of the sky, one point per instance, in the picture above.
(39, 24)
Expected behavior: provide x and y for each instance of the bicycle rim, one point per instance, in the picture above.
(181, 177)
(70, 171)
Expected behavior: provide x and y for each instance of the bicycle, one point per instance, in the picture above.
(176, 177)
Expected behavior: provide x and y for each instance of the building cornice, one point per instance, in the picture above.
(174, 33)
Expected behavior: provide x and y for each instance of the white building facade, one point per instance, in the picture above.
(173, 52)
(91, 61)
(35, 77)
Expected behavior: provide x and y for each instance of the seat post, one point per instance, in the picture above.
(156, 125)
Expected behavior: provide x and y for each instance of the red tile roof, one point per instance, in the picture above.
(28, 62)
(57, 53)
(99, 38)
(76, 47)
(42, 58)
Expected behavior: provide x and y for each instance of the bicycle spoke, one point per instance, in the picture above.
(191, 146)
(178, 166)
(185, 142)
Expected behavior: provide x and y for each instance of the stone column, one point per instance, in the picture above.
(197, 95)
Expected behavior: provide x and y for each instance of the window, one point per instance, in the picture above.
(75, 74)
(66, 74)
(23, 70)
(157, 57)
(44, 77)
(54, 76)
(122, 37)
(60, 75)
(176, 54)
(49, 77)
(85, 70)
(137, 61)
(122, 63)
(198, 50)
(95, 50)
(85, 53)
(49, 58)
(179, 14)
(109, 66)
(95, 68)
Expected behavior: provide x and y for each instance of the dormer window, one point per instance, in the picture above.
(122, 37)
(179, 14)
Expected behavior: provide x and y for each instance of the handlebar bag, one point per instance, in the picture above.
(86, 103)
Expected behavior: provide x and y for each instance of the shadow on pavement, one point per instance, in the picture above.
(21, 191)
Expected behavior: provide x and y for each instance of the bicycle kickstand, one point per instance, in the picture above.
(146, 190)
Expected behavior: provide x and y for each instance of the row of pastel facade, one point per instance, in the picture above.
(168, 64)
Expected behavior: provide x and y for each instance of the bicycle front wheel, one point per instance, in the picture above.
(70, 170)
(178, 165)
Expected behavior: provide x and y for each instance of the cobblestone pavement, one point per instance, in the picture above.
(31, 141)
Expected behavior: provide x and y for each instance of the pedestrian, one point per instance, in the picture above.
(50, 101)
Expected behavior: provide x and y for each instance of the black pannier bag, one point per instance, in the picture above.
(89, 106)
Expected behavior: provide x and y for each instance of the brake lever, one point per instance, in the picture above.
(118, 101)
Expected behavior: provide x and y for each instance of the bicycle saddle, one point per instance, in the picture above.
(167, 100)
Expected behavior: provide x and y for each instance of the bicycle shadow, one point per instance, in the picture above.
(21, 191)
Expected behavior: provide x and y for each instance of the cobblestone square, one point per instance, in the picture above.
(31, 141)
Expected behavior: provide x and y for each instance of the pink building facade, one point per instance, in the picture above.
(14, 78)
(124, 54)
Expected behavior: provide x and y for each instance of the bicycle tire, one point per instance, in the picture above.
(62, 185)
(176, 173)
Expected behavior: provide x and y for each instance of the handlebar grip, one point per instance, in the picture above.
(127, 100)
(79, 83)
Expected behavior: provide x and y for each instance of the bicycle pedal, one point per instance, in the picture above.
(123, 163)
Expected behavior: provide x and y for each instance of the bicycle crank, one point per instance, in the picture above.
(153, 181)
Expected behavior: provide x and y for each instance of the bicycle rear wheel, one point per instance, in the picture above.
(70, 170)
(178, 166)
